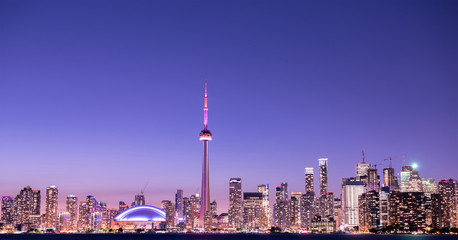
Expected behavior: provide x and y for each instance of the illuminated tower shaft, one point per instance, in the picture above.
(205, 136)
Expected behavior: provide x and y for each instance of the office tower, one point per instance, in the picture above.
(122, 206)
(179, 205)
(388, 178)
(264, 189)
(309, 185)
(361, 169)
(169, 209)
(405, 176)
(282, 217)
(51, 207)
(205, 136)
(444, 205)
(72, 209)
(351, 190)
(139, 200)
(369, 210)
(101, 215)
(281, 192)
(188, 209)
(407, 209)
(323, 163)
(91, 208)
(415, 184)
(63, 222)
(295, 209)
(252, 210)
(235, 203)
(373, 180)
(307, 209)
(7, 210)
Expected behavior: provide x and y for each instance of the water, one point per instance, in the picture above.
(222, 237)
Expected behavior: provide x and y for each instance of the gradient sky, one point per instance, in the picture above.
(101, 97)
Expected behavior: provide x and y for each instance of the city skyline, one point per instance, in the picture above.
(104, 108)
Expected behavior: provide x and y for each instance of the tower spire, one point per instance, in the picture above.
(205, 108)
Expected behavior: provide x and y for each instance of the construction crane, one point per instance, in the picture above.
(377, 164)
(391, 159)
(143, 190)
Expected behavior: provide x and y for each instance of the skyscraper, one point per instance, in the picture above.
(309, 185)
(407, 209)
(252, 210)
(139, 200)
(388, 178)
(26, 203)
(323, 163)
(373, 180)
(51, 207)
(351, 190)
(281, 192)
(405, 177)
(72, 209)
(295, 209)
(235, 203)
(264, 189)
(7, 210)
(361, 169)
(444, 204)
(179, 205)
(169, 209)
(205, 136)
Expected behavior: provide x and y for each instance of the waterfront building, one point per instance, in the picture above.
(323, 224)
(51, 207)
(188, 213)
(295, 208)
(205, 137)
(235, 203)
(84, 217)
(264, 189)
(111, 214)
(406, 211)
(444, 205)
(351, 190)
(252, 211)
(169, 209)
(338, 212)
(282, 217)
(384, 192)
(369, 211)
(143, 217)
(195, 201)
(63, 222)
(26, 203)
(72, 209)
(307, 209)
(179, 205)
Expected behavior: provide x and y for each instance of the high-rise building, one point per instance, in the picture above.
(282, 217)
(7, 210)
(26, 203)
(373, 180)
(309, 185)
(72, 209)
(235, 203)
(444, 205)
(281, 192)
(252, 210)
(351, 190)
(295, 209)
(189, 215)
(179, 205)
(307, 209)
(405, 176)
(63, 222)
(84, 217)
(205, 136)
(323, 163)
(369, 210)
(327, 205)
(214, 208)
(51, 207)
(111, 214)
(407, 209)
(415, 184)
(264, 189)
(388, 178)
(122, 206)
(139, 200)
(169, 209)
(91, 202)
(361, 169)
(195, 201)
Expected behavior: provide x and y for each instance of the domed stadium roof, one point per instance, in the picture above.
(141, 214)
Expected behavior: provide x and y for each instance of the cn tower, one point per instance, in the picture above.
(205, 136)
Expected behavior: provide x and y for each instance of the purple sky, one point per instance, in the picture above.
(100, 97)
